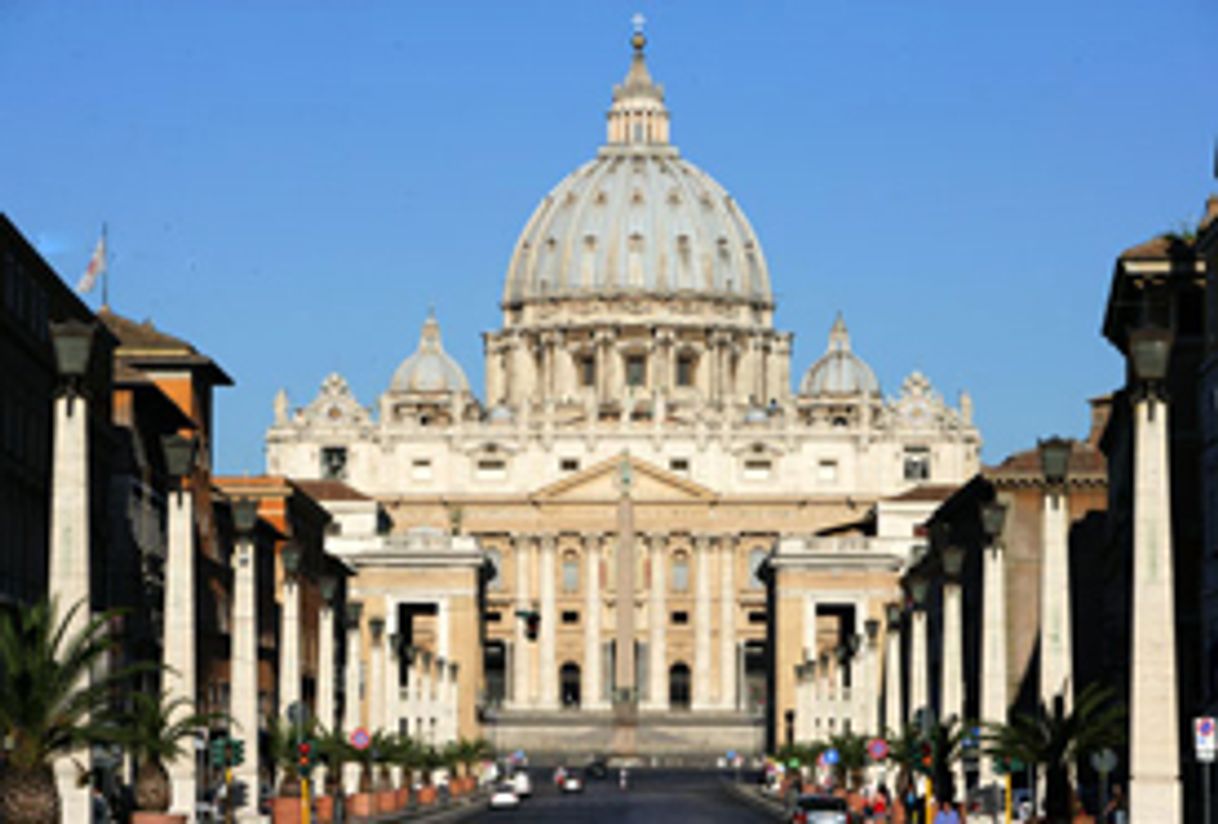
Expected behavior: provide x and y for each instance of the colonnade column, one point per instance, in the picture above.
(68, 573)
(522, 649)
(951, 690)
(289, 630)
(869, 701)
(376, 674)
(549, 619)
(244, 653)
(179, 677)
(918, 660)
(894, 720)
(657, 642)
(351, 696)
(325, 661)
(1055, 625)
(993, 630)
(593, 680)
(1154, 783)
(394, 643)
(728, 697)
(702, 620)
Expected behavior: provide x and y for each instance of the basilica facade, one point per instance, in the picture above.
(667, 527)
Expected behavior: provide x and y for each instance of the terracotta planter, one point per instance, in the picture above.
(361, 804)
(427, 795)
(386, 801)
(403, 797)
(285, 811)
(325, 809)
(158, 818)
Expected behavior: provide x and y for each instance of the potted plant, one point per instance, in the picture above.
(153, 733)
(384, 748)
(405, 756)
(49, 707)
(335, 750)
(363, 802)
(429, 760)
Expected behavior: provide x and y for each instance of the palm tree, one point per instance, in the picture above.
(906, 753)
(1052, 739)
(336, 751)
(153, 732)
(851, 759)
(946, 747)
(49, 704)
(283, 737)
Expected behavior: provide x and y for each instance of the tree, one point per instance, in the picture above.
(907, 751)
(336, 751)
(153, 733)
(1053, 738)
(946, 746)
(49, 704)
(851, 759)
(283, 738)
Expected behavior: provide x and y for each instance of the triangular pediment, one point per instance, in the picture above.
(602, 482)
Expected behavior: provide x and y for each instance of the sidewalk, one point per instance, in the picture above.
(442, 812)
(752, 795)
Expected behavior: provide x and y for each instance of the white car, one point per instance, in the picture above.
(572, 783)
(504, 797)
(522, 784)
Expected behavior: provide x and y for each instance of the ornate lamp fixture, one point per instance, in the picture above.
(993, 518)
(245, 515)
(291, 557)
(1054, 460)
(180, 453)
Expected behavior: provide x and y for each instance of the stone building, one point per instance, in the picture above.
(637, 453)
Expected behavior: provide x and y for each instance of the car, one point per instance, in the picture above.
(597, 768)
(522, 784)
(504, 797)
(572, 782)
(820, 809)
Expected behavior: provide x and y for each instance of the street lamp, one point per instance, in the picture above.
(245, 515)
(918, 585)
(952, 558)
(179, 454)
(893, 613)
(291, 556)
(354, 608)
(1054, 459)
(329, 588)
(993, 518)
(1149, 356)
(73, 343)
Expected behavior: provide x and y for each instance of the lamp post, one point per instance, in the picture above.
(1055, 623)
(918, 586)
(951, 694)
(68, 579)
(180, 677)
(244, 652)
(1154, 752)
(289, 628)
(993, 626)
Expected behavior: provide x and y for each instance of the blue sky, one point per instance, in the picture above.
(290, 185)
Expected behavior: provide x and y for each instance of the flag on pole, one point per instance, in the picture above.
(96, 267)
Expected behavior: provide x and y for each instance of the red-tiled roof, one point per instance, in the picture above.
(1163, 247)
(330, 490)
(926, 492)
(1084, 460)
(144, 344)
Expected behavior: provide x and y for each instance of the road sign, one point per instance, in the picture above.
(360, 739)
(877, 748)
(1104, 761)
(832, 756)
(1206, 738)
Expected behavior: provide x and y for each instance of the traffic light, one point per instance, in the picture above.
(531, 625)
(305, 752)
(216, 751)
(236, 752)
(927, 754)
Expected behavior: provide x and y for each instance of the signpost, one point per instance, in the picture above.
(877, 748)
(360, 739)
(1104, 762)
(1206, 741)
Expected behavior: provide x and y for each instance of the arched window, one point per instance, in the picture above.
(756, 559)
(568, 685)
(678, 686)
(680, 572)
(570, 572)
(494, 576)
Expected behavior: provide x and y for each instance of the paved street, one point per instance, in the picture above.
(659, 796)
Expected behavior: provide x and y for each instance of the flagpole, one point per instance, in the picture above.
(105, 269)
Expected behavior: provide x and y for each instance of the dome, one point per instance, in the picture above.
(839, 371)
(430, 368)
(638, 219)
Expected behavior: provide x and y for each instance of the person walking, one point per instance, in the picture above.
(947, 814)
(1117, 811)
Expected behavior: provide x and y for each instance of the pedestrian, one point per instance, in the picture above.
(1117, 811)
(622, 778)
(101, 807)
(947, 813)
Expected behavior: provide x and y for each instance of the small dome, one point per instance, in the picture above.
(430, 368)
(839, 371)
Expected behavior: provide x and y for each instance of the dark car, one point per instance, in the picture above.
(597, 768)
(820, 809)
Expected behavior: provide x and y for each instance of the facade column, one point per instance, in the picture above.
(1154, 752)
(289, 630)
(68, 567)
(549, 620)
(809, 626)
(325, 662)
(894, 718)
(592, 696)
(521, 655)
(657, 611)
(993, 646)
(394, 643)
(243, 678)
(951, 687)
(728, 698)
(1055, 653)
(376, 675)
(702, 623)
(869, 700)
(918, 660)
(351, 695)
(179, 645)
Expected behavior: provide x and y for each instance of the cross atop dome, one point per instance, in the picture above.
(638, 116)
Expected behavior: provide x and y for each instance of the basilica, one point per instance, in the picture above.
(642, 531)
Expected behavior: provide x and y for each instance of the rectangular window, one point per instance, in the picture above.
(570, 616)
(568, 465)
(678, 465)
(334, 462)
(756, 617)
(826, 472)
(685, 370)
(491, 469)
(917, 463)
(757, 469)
(680, 617)
(636, 370)
(493, 617)
(587, 371)
(420, 469)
